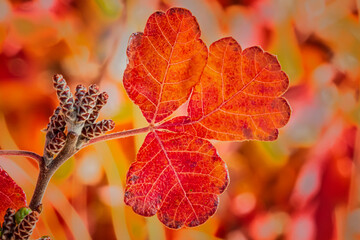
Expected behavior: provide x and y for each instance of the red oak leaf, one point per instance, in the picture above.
(11, 195)
(238, 96)
(165, 63)
(177, 176)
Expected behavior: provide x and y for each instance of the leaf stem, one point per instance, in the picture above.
(69, 149)
(47, 169)
(115, 135)
(22, 153)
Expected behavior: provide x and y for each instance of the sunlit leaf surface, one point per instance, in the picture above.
(238, 97)
(177, 176)
(165, 62)
(300, 185)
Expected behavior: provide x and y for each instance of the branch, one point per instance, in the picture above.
(22, 153)
(122, 134)
(46, 172)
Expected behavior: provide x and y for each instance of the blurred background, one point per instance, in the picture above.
(305, 185)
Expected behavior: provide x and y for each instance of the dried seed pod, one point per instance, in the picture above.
(106, 125)
(97, 129)
(57, 111)
(55, 145)
(87, 103)
(100, 102)
(55, 114)
(57, 123)
(93, 89)
(64, 95)
(24, 230)
(79, 93)
(53, 117)
(8, 225)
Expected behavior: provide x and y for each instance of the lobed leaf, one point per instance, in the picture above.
(11, 195)
(238, 96)
(165, 63)
(177, 176)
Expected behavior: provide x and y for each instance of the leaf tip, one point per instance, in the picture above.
(134, 42)
(179, 11)
(287, 112)
(225, 43)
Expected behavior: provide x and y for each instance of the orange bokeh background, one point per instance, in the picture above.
(305, 185)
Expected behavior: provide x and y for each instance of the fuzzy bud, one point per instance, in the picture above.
(97, 129)
(100, 102)
(52, 118)
(87, 103)
(24, 230)
(79, 93)
(9, 224)
(55, 145)
(93, 89)
(57, 122)
(64, 95)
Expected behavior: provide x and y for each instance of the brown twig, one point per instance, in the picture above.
(22, 153)
(47, 171)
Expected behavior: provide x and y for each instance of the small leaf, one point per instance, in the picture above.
(165, 63)
(21, 213)
(238, 97)
(11, 195)
(177, 176)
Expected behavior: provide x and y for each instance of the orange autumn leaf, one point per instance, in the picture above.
(11, 195)
(238, 97)
(165, 63)
(177, 176)
(235, 96)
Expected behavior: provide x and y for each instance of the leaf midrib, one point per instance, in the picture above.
(175, 173)
(229, 99)
(167, 67)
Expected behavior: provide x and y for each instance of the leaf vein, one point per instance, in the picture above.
(175, 173)
(155, 48)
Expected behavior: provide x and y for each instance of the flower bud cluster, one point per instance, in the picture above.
(96, 129)
(77, 114)
(21, 231)
(8, 225)
(64, 95)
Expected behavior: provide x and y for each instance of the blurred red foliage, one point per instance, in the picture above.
(305, 185)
